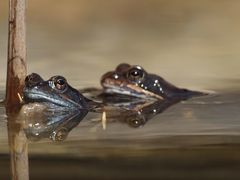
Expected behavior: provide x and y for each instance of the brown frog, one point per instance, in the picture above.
(133, 80)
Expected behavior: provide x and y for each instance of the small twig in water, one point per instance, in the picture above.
(104, 120)
(20, 98)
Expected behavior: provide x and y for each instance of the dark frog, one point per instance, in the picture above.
(53, 92)
(51, 107)
(135, 81)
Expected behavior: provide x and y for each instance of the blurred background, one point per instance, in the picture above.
(190, 43)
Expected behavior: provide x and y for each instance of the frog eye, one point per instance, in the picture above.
(135, 73)
(60, 83)
(33, 79)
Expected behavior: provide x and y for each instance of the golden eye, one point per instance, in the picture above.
(60, 83)
(135, 74)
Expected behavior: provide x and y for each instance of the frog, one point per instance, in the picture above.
(135, 81)
(51, 108)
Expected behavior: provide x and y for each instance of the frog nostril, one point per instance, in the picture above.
(107, 76)
(27, 79)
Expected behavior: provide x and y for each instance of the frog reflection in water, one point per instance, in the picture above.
(138, 113)
(52, 108)
(135, 81)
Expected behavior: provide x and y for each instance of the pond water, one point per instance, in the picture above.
(191, 44)
(198, 135)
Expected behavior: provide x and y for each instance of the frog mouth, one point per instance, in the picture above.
(60, 100)
(126, 88)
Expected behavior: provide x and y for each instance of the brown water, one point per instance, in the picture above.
(198, 138)
(192, 44)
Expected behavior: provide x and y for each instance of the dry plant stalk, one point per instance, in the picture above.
(16, 66)
(16, 73)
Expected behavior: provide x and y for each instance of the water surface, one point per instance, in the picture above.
(201, 134)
